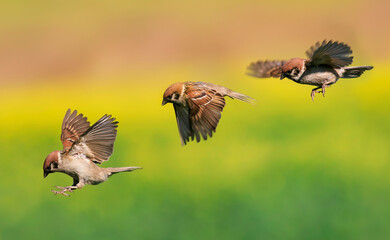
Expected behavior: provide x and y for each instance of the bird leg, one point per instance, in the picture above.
(64, 190)
(323, 90)
(315, 90)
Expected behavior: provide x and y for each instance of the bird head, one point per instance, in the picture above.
(51, 163)
(293, 69)
(173, 93)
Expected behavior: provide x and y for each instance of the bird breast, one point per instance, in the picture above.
(319, 75)
(80, 167)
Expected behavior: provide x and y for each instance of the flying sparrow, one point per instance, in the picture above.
(198, 107)
(84, 146)
(326, 63)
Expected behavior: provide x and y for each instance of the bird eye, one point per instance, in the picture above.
(55, 165)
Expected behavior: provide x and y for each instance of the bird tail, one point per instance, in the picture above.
(120, 169)
(354, 72)
(241, 97)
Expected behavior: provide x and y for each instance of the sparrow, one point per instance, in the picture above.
(84, 147)
(326, 63)
(198, 107)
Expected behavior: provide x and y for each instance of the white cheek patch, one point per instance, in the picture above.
(301, 71)
(59, 158)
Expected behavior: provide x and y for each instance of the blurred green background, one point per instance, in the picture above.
(287, 168)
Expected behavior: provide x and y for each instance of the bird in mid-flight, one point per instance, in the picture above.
(84, 146)
(198, 107)
(326, 63)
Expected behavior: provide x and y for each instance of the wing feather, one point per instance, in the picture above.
(100, 138)
(335, 54)
(199, 119)
(265, 69)
(206, 107)
(183, 123)
(73, 127)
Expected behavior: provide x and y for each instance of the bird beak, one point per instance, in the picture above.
(45, 174)
(164, 102)
(282, 76)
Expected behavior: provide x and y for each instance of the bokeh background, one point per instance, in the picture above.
(286, 168)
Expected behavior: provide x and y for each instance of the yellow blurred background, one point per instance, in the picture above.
(287, 168)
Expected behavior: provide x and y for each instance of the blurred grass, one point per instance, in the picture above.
(286, 168)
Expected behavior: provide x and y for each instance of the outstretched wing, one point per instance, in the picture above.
(264, 69)
(73, 126)
(98, 141)
(205, 107)
(330, 53)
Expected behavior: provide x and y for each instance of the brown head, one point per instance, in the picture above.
(51, 163)
(172, 93)
(293, 68)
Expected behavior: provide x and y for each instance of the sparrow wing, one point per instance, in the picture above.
(265, 69)
(183, 123)
(330, 53)
(205, 107)
(97, 143)
(73, 126)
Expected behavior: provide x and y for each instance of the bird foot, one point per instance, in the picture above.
(313, 94)
(318, 90)
(323, 90)
(64, 190)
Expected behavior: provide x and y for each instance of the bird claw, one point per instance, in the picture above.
(323, 90)
(313, 94)
(315, 90)
(61, 192)
(64, 190)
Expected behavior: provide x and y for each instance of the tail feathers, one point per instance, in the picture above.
(354, 72)
(121, 169)
(242, 97)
